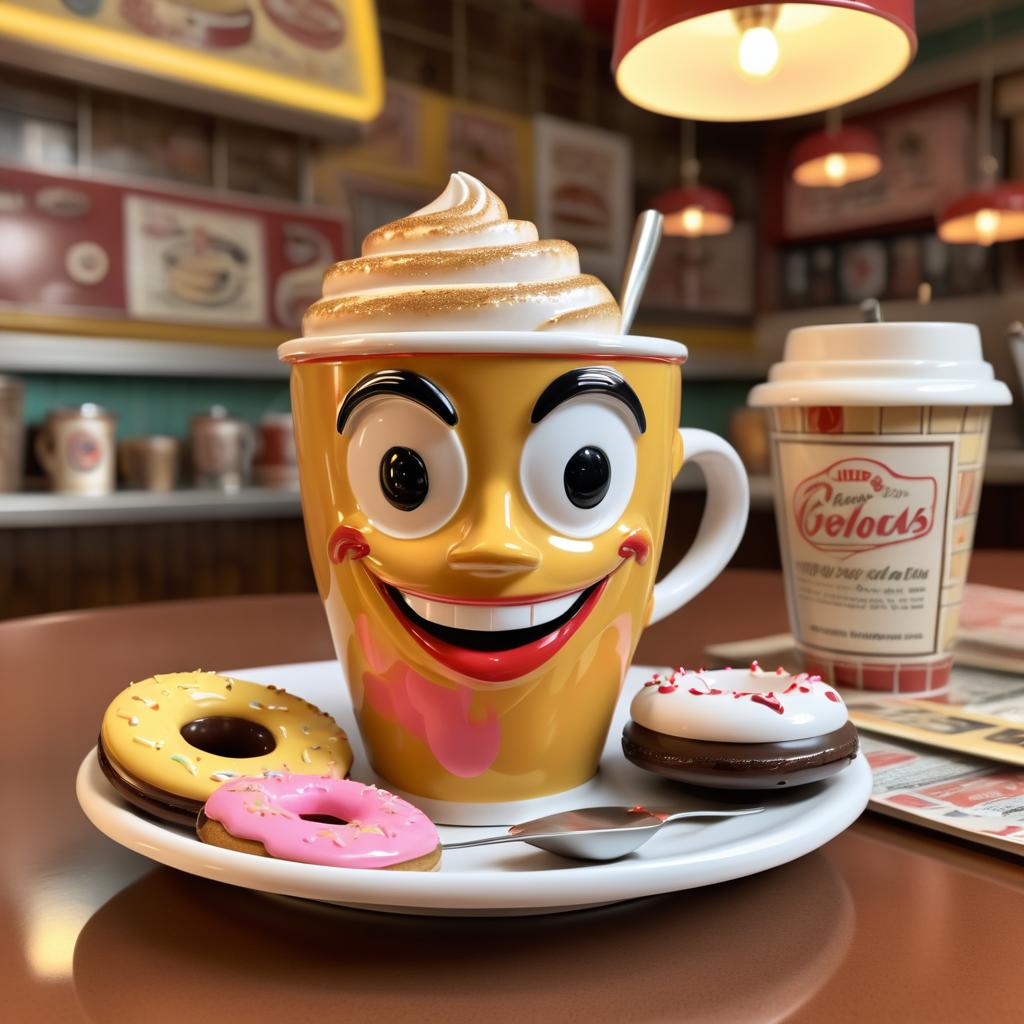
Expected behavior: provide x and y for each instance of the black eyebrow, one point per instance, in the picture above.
(601, 379)
(404, 383)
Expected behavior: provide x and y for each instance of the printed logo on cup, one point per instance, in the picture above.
(857, 505)
(84, 451)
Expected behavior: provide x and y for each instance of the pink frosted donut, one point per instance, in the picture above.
(320, 820)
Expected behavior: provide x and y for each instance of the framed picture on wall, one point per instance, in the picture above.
(863, 270)
(280, 61)
(116, 258)
(583, 192)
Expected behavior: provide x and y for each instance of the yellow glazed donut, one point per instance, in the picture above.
(168, 742)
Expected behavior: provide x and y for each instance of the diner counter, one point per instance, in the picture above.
(884, 923)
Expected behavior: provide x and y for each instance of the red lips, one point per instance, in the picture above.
(497, 666)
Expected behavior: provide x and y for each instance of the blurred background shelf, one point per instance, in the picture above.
(33, 511)
(28, 352)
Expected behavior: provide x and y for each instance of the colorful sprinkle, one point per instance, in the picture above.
(155, 744)
(184, 762)
(207, 695)
(130, 719)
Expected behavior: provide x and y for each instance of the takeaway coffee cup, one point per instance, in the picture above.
(878, 438)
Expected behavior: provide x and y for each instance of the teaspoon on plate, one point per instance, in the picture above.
(598, 833)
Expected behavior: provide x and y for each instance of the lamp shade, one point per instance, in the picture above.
(993, 214)
(716, 60)
(830, 159)
(693, 211)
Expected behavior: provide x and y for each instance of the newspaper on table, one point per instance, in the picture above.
(982, 715)
(964, 796)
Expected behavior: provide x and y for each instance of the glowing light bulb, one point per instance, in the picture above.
(693, 221)
(986, 224)
(836, 168)
(758, 52)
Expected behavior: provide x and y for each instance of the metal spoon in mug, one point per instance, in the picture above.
(642, 250)
(598, 833)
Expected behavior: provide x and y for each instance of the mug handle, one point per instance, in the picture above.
(46, 452)
(721, 526)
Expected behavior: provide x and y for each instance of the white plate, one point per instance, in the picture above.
(513, 878)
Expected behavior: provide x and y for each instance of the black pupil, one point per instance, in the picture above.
(403, 478)
(587, 476)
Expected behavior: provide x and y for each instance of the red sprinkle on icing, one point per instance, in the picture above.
(754, 667)
(780, 671)
(769, 700)
(347, 541)
(651, 682)
(832, 696)
(638, 545)
(709, 692)
(667, 688)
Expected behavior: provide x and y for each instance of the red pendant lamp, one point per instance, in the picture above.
(994, 211)
(716, 60)
(837, 156)
(693, 210)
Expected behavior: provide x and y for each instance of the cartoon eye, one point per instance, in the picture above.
(579, 465)
(406, 467)
(403, 478)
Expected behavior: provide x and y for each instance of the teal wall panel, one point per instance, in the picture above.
(153, 405)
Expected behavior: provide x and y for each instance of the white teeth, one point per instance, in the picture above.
(511, 616)
(548, 610)
(473, 616)
(490, 617)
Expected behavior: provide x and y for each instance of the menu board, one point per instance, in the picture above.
(317, 56)
(95, 251)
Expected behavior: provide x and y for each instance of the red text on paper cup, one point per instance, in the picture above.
(858, 505)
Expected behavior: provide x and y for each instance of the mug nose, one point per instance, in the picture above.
(493, 559)
(493, 546)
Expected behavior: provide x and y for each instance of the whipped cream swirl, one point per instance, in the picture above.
(460, 264)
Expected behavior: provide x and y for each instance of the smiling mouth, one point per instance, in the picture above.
(490, 627)
(493, 642)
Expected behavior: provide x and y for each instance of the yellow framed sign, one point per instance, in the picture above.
(281, 61)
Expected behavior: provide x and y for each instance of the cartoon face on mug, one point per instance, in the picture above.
(495, 511)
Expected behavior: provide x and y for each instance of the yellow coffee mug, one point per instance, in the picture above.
(485, 513)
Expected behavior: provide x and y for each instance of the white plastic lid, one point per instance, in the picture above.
(882, 364)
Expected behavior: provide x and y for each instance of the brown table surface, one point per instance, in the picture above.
(885, 923)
